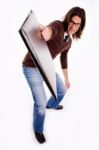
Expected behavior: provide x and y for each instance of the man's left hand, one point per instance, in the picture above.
(67, 84)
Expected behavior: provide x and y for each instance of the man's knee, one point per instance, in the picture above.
(40, 108)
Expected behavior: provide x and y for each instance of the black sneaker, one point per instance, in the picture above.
(40, 137)
(58, 108)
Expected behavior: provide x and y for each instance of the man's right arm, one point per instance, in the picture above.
(46, 33)
(50, 31)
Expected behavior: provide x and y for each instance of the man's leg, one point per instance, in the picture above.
(61, 90)
(35, 82)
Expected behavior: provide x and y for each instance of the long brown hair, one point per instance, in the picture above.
(75, 11)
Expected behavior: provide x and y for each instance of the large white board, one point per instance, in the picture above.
(39, 51)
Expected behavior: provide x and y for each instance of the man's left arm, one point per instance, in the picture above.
(64, 66)
(66, 78)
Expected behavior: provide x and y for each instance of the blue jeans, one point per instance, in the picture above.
(35, 82)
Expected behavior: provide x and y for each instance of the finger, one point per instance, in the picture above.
(42, 27)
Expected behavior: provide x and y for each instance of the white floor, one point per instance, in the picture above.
(76, 127)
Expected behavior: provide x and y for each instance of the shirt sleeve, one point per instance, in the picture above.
(56, 28)
(64, 59)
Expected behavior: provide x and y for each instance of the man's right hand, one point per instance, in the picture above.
(46, 32)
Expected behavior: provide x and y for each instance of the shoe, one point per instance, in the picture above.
(58, 108)
(40, 137)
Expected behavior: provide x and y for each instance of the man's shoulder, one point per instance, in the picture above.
(56, 22)
(57, 25)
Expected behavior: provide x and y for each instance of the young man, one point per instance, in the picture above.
(58, 38)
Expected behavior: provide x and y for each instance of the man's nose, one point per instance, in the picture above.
(73, 25)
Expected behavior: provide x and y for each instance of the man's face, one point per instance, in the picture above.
(74, 25)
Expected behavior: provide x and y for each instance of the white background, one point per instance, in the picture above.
(76, 127)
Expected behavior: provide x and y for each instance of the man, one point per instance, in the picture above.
(58, 38)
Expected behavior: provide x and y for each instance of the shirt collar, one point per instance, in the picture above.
(65, 34)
